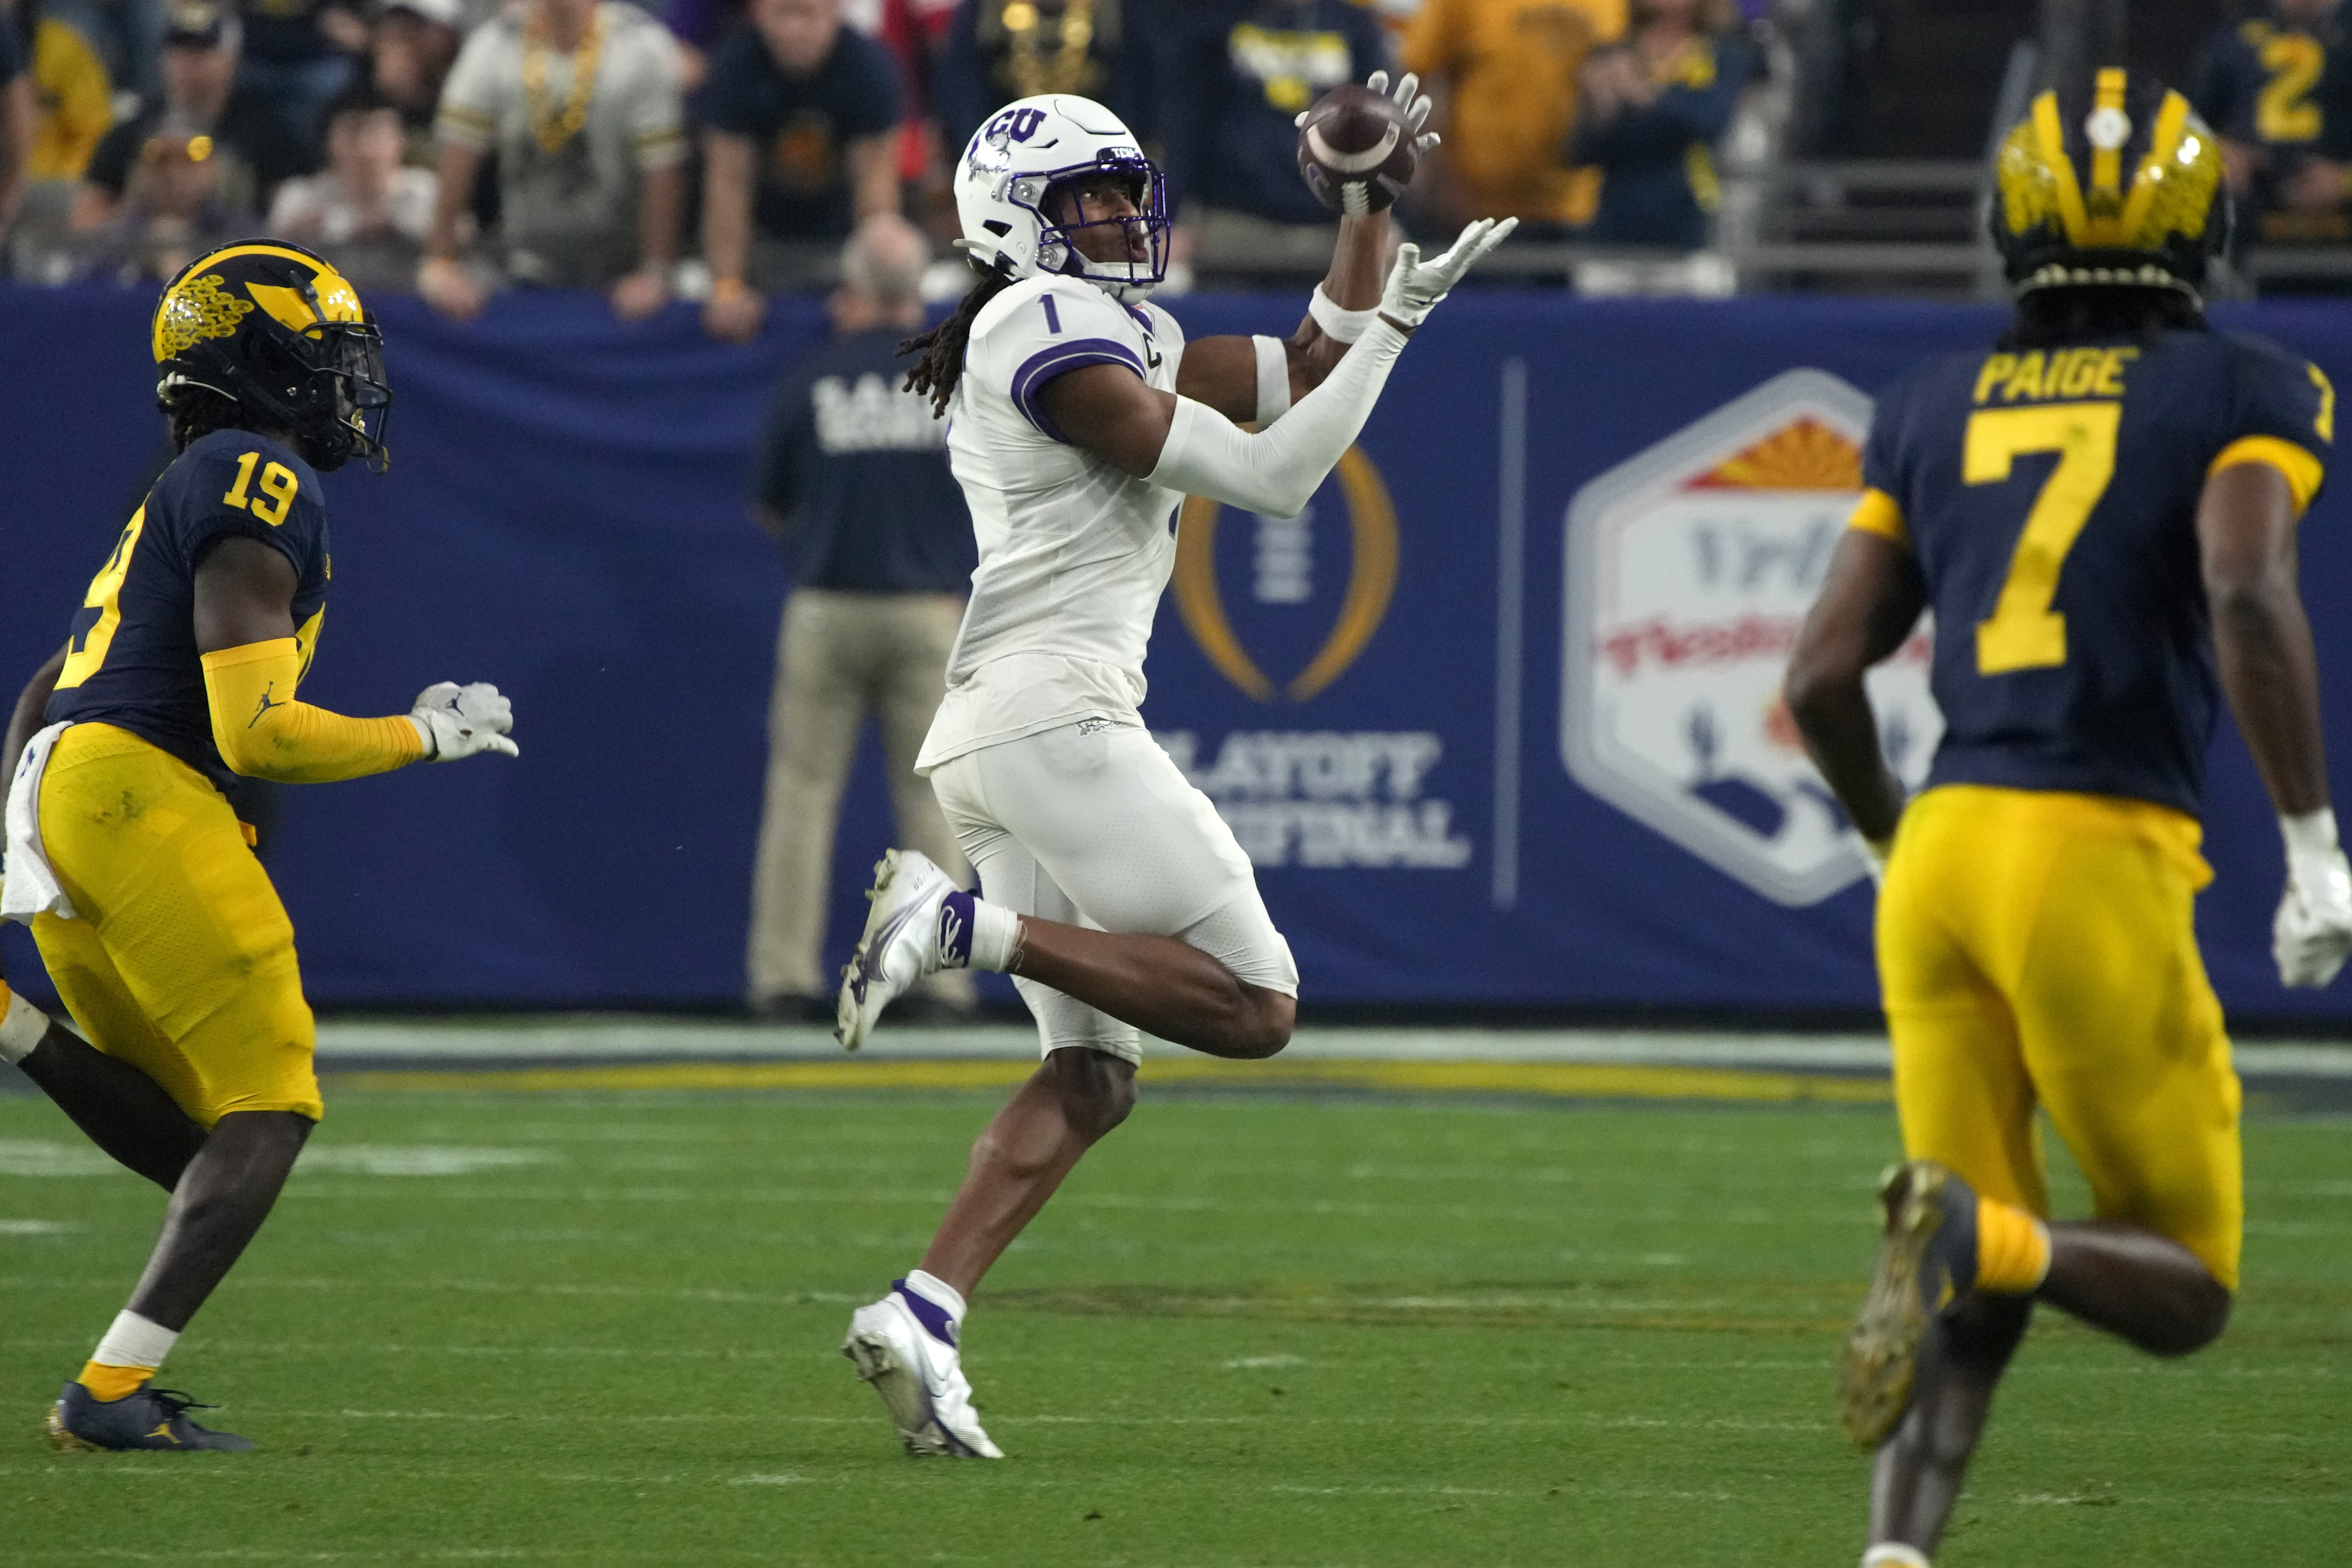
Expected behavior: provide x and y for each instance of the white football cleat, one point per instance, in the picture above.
(920, 1377)
(900, 946)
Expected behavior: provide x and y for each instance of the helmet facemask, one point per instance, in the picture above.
(353, 359)
(1050, 197)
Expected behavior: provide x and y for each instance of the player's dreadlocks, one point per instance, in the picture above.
(942, 347)
(2048, 317)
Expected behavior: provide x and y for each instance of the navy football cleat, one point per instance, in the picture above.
(1927, 1262)
(151, 1417)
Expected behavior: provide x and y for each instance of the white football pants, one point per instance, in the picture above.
(1093, 825)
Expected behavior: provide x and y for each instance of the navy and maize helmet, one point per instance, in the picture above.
(280, 332)
(2119, 186)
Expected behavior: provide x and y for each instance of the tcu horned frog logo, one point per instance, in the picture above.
(1690, 568)
(992, 145)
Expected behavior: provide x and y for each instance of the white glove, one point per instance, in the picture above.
(1416, 286)
(1409, 98)
(459, 721)
(2313, 933)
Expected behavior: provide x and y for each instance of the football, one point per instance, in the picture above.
(1355, 151)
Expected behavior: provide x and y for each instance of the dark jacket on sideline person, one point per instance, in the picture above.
(856, 471)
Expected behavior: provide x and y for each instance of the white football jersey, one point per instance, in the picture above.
(1074, 550)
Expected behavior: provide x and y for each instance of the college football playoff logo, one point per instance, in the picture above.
(1284, 549)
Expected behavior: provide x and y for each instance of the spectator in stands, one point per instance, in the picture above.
(581, 100)
(410, 50)
(248, 150)
(998, 50)
(915, 34)
(365, 212)
(87, 54)
(1505, 73)
(172, 209)
(19, 122)
(804, 142)
(852, 477)
(299, 56)
(2277, 90)
(1652, 111)
(1234, 77)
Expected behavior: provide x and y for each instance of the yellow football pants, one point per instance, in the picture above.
(2036, 948)
(182, 962)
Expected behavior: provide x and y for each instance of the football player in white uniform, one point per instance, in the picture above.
(1111, 890)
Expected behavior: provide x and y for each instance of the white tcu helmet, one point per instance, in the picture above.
(1003, 183)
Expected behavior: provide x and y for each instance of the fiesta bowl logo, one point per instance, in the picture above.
(1690, 568)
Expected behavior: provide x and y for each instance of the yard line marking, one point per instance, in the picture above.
(48, 1157)
(411, 1160)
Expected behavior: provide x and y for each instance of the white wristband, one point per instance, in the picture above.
(1272, 379)
(2309, 836)
(1341, 326)
(22, 1026)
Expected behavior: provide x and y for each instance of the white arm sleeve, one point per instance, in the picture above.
(1277, 471)
(1273, 380)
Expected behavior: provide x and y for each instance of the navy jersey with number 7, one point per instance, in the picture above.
(2049, 497)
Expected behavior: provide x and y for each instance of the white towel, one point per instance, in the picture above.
(31, 888)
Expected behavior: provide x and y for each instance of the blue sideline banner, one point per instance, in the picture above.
(1497, 717)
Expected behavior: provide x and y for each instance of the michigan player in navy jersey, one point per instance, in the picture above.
(2101, 512)
(161, 929)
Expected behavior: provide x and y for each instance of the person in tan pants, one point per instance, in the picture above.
(853, 479)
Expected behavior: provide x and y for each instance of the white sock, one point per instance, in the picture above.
(1894, 1554)
(995, 938)
(134, 1341)
(938, 1292)
(22, 1024)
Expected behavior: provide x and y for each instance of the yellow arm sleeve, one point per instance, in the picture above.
(1880, 513)
(265, 735)
(2302, 471)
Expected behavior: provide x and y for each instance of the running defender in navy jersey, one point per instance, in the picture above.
(2100, 511)
(2049, 495)
(179, 670)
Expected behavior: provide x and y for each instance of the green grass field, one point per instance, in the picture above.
(602, 1328)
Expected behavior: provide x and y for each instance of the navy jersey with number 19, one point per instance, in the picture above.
(2049, 497)
(132, 659)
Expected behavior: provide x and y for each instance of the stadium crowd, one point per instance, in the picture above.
(724, 149)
